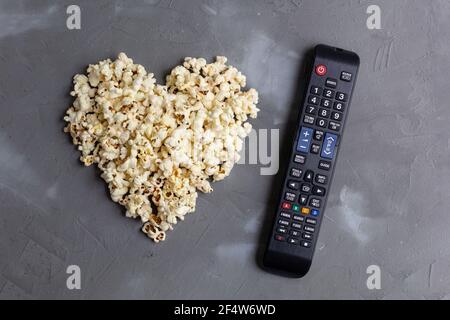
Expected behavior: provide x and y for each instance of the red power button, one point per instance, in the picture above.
(321, 69)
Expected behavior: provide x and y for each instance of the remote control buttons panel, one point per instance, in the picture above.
(311, 165)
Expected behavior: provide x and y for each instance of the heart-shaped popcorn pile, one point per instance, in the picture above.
(157, 145)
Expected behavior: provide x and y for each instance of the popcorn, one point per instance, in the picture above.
(158, 145)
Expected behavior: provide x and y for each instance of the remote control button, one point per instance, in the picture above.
(340, 96)
(289, 196)
(335, 126)
(346, 76)
(339, 106)
(318, 191)
(286, 205)
(324, 165)
(336, 116)
(305, 244)
(282, 230)
(295, 233)
(285, 215)
(315, 148)
(296, 225)
(306, 210)
(311, 110)
(309, 175)
(311, 221)
(293, 241)
(321, 178)
(283, 222)
(294, 185)
(316, 90)
(298, 158)
(295, 208)
(331, 83)
(304, 139)
(299, 218)
(308, 119)
(306, 188)
(314, 202)
(321, 123)
(324, 113)
(307, 236)
(326, 103)
(303, 199)
(297, 173)
(315, 212)
(329, 145)
(313, 100)
(280, 237)
(321, 70)
(318, 135)
(309, 229)
(328, 93)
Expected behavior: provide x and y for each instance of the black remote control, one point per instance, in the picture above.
(311, 164)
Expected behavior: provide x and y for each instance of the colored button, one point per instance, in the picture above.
(304, 139)
(321, 70)
(306, 210)
(329, 144)
(295, 207)
(279, 237)
(286, 205)
(315, 212)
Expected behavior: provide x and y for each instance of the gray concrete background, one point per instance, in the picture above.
(388, 206)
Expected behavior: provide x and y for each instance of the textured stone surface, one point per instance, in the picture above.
(388, 205)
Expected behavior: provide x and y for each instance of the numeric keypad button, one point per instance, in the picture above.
(339, 106)
(316, 90)
(313, 100)
(326, 103)
(311, 110)
(340, 96)
(321, 123)
(328, 93)
(336, 116)
(324, 113)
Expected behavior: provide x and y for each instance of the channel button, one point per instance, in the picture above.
(329, 144)
(304, 139)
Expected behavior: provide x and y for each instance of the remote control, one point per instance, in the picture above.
(311, 165)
